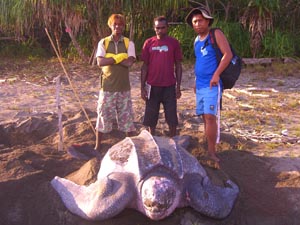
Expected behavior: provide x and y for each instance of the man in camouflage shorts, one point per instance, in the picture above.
(114, 58)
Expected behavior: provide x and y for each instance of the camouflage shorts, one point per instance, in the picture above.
(114, 106)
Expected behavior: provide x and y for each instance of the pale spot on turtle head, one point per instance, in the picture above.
(158, 196)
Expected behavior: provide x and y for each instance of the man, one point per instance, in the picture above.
(207, 71)
(161, 56)
(114, 58)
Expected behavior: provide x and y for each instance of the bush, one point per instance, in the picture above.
(186, 36)
(277, 44)
(29, 49)
(237, 36)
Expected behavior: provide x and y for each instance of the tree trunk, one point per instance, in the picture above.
(12, 39)
(131, 33)
(57, 40)
(75, 43)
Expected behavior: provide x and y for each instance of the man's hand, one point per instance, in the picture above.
(128, 62)
(178, 92)
(143, 93)
(214, 81)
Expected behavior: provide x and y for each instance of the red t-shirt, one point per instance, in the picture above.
(160, 55)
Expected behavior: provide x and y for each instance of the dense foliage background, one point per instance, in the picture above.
(256, 28)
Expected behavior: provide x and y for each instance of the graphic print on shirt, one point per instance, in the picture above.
(204, 51)
(203, 48)
(163, 48)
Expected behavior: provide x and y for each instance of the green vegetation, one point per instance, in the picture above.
(29, 49)
(256, 28)
(278, 44)
(186, 36)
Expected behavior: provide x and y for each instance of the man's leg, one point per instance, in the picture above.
(125, 115)
(172, 130)
(170, 108)
(152, 110)
(211, 135)
(208, 105)
(106, 114)
(98, 140)
(152, 130)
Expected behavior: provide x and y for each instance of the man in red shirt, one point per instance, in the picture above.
(162, 71)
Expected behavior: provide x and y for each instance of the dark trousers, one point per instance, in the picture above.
(166, 96)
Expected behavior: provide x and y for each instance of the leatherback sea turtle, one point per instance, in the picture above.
(153, 175)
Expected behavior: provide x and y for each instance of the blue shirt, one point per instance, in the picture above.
(206, 62)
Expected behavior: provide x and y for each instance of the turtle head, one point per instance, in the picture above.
(160, 196)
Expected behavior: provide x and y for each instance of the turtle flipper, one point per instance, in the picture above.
(212, 200)
(101, 200)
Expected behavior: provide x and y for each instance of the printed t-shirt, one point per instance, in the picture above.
(160, 56)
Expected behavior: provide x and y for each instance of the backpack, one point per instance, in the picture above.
(231, 74)
(107, 39)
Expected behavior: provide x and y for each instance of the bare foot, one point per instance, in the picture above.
(98, 149)
(82, 151)
(213, 157)
(210, 163)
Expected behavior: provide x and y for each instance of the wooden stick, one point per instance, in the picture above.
(58, 105)
(71, 84)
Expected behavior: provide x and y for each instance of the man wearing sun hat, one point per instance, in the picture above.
(207, 72)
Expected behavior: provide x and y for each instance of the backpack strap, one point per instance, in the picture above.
(213, 37)
(107, 40)
(214, 43)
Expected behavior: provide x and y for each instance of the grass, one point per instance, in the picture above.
(297, 131)
(294, 104)
(269, 115)
(272, 145)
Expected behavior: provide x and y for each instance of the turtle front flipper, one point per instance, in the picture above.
(211, 200)
(101, 200)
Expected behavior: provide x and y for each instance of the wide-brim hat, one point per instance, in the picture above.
(199, 10)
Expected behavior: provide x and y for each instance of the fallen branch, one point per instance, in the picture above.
(227, 95)
(262, 89)
(246, 106)
(265, 137)
(248, 92)
(255, 61)
(37, 85)
(12, 39)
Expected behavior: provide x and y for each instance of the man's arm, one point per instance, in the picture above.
(103, 61)
(131, 55)
(224, 47)
(144, 74)
(178, 75)
(128, 62)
